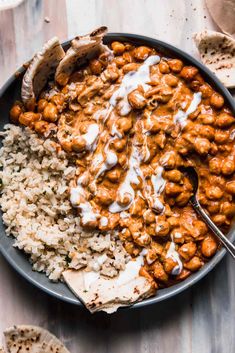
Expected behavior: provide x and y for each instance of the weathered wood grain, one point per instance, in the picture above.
(200, 320)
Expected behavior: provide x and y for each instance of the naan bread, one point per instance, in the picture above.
(223, 13)
(217, 52)
(43, 65)
(108, 294)
(82, 47)
(33, 339)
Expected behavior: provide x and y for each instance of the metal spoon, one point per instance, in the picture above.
(193, 177)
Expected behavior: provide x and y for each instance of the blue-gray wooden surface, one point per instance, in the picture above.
(200, 320)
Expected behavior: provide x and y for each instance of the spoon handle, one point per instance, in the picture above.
(224, 240)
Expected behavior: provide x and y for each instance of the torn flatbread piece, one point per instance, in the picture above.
(223, 13)
(42, 66)
(108, 294)
(82, 48)
(33, 339)
(217, 52)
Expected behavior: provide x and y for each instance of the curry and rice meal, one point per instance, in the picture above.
(92, 187)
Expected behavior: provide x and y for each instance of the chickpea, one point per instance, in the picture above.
(119, 144)
(162, 228)
(15, 112)
(169, 264)
(209, 246)
(122, 160)
(194, 264)
(173, 221)
(58, 100)
(164, 67)
(151, 256)
(104, 196)
(95, 66)
(158, 248)
(142, 239)
(125, 235)
(136, 99)
(129, 247)
(42, 103)
(214, 193)
(119, 60)
(173, 175)
(217, 100)
(114, 175)
(188, 250)
(149, 217)
(183, 198)
(188, 72)
(159, 272)
(29, 118)
(224, 120)
(228, 209)
(202, 145)
(124, 124)
(206, 90)
(50, 112)
(141, 53)
(206, 119)
(213, 149)
(169, 160)
(137, 206)
(172, 189)
(78, 144)
(171, 80)
(118, 48)
(183, 275)
(111, 74)
(199, 229)
(143, 272)
(175, 65)
(213, 207)
(183, 146)
(66, 145)
(206, 131)
(128, 57)
(228, 166)
(230, 187)
(130, 67)
(41, 126)
(114, 220)
(219, 219)
(221, 136)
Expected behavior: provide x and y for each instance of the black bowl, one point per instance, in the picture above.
(18, 260)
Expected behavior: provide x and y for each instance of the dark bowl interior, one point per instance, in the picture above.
(18, 260)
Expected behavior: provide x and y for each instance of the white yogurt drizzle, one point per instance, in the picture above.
(77, 194)
(91, 135)
(103, 221)
(158, 186)
(181, 116)
(110, 162)
(172, 253)
(131, 177)
(130, 82)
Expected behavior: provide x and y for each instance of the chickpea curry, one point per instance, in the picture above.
(131, 117)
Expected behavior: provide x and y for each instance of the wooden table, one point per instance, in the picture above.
(202, 319)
